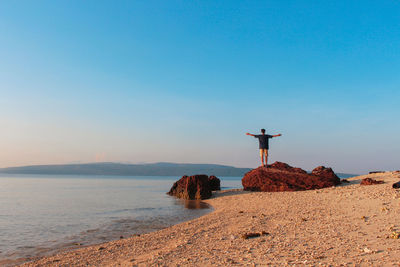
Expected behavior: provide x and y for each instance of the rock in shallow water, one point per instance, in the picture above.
(282, 177)
(191, 187)
(214, 182)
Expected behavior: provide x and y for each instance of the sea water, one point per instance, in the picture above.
(43, 214)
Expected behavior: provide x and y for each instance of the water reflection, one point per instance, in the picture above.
(191, 204)
(196, 204)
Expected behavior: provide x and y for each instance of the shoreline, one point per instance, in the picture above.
(65, 245)
(352, 228)
(81, 212)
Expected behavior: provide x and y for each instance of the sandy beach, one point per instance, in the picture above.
(348, 225)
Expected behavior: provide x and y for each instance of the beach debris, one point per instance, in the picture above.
(191, 187)
(370, 181)
(304, 219)
(395, 235)
(364, 218)
(228, 260)
(283, 177)
(252, 235)
(319, 257)
(214, 182)
(241, 211)
(396, 185)
(101, 248)
(232, 237)
(369, 251)
(121, 237)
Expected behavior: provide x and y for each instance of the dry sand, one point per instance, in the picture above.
(345, 225)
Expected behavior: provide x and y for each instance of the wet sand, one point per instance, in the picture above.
(345, 225)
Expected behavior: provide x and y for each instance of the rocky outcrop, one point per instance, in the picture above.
(283, 177)
(214, 182)
(370, 181)
(191, 187)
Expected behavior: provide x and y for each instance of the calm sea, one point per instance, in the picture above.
(40, 215)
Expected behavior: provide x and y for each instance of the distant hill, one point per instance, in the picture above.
(121, 169)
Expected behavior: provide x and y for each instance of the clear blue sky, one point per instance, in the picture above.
(182, 81)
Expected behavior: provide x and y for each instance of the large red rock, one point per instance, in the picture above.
(283, 177)
(286, 167)
(191, 187)
(214, 182)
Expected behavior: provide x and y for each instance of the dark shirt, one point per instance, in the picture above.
(263, 139)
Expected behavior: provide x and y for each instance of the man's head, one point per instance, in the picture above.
(263, 131)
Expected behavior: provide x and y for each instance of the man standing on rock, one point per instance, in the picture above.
(264, 145)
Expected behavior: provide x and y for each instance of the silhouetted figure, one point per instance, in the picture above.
(264, 144)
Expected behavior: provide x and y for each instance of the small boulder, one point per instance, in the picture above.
(191, 187)
(214, 182)
(396, 185)
(370, 181)
(327, 173)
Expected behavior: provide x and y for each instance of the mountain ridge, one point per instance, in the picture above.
(126, 169)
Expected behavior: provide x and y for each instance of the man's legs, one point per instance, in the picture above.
(262, 157)
(266, 157)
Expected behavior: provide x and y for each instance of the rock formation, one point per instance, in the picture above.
(370, 181)
(214, 182)
(195, 187)
(282, 177)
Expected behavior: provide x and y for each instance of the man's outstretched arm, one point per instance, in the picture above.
(250, 134)
(277, 135)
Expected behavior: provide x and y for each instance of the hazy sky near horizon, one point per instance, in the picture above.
(182, 81)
